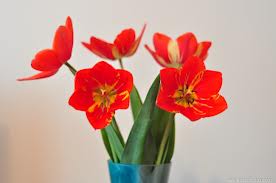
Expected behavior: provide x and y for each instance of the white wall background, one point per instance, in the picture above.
(43, 140)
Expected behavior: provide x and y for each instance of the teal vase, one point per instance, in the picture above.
(132, 173)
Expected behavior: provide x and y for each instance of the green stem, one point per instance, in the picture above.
(121, 63)
(164, 141)
(117, 130)
(107, 144)
(71, 68)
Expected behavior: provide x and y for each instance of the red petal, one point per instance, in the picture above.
(191, 114)
(40, 75)
(187, 45)
(46, 60)
(212, 106)
(63, 41)
(81, 100)
(125, 81)
(190, 69)
(104, 73)
(69, 26)
(124, 41)
(121, 102)
(158, 58)
(209, 85)
(165, 102)
(100, 48)
(161, 42)
(123, 88)
(202, 49)
(84, 80)
(170, 80)
(99, 119)
(136, 43)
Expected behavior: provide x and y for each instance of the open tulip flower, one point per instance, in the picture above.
(191, 90)
(124, 45)
(48, 61)
(173, 53)
(100, 91)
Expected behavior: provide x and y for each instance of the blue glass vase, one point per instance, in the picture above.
(131, 173)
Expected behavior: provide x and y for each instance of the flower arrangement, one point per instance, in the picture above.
(184, 86)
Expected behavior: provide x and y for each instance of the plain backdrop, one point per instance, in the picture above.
(44, 140)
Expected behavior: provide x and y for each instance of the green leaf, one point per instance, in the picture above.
(136, 102)
(134, 149)
(165, 139)
(117, 130)
(115, 143)
(107, 144)
(171, 144)
(160, 120)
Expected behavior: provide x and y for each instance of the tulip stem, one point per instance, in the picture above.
(71, 68)
(164, 140)
(121, 63)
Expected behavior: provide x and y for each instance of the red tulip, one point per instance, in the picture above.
(100, 91)
(173, 53)
(49, 61)
(191, 90)
(124, 45)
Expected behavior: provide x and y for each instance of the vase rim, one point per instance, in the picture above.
(129, 164)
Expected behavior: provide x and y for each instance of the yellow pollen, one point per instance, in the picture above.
(103, 97)
(184, 97)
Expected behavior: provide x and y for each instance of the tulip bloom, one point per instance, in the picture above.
(48, 61)
(124, 45)
(173, 53)
(191, 90)
(100, 91)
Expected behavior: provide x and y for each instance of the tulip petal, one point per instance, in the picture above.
(124, 41)
(99, 119)
(190, 69)
(202, 49)
(81, 100)
(104, 73)
(191, 114)
(136, 43)
(123, 87)
(158, 58)
(170, 80)
(46, 60)
(167, 103)
(100, 48)
(161, 42)
(40, 75)
(187, 46)
(69, 26)
(124, 82)
(213, 105)
(209, 85)
(84, 81)
(121, 102)
(63, 41)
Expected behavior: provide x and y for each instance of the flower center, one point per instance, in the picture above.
(103, 97)
(184, 97)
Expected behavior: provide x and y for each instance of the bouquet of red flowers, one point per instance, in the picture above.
(184, 86)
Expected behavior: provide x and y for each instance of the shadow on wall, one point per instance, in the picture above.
(4, 153)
